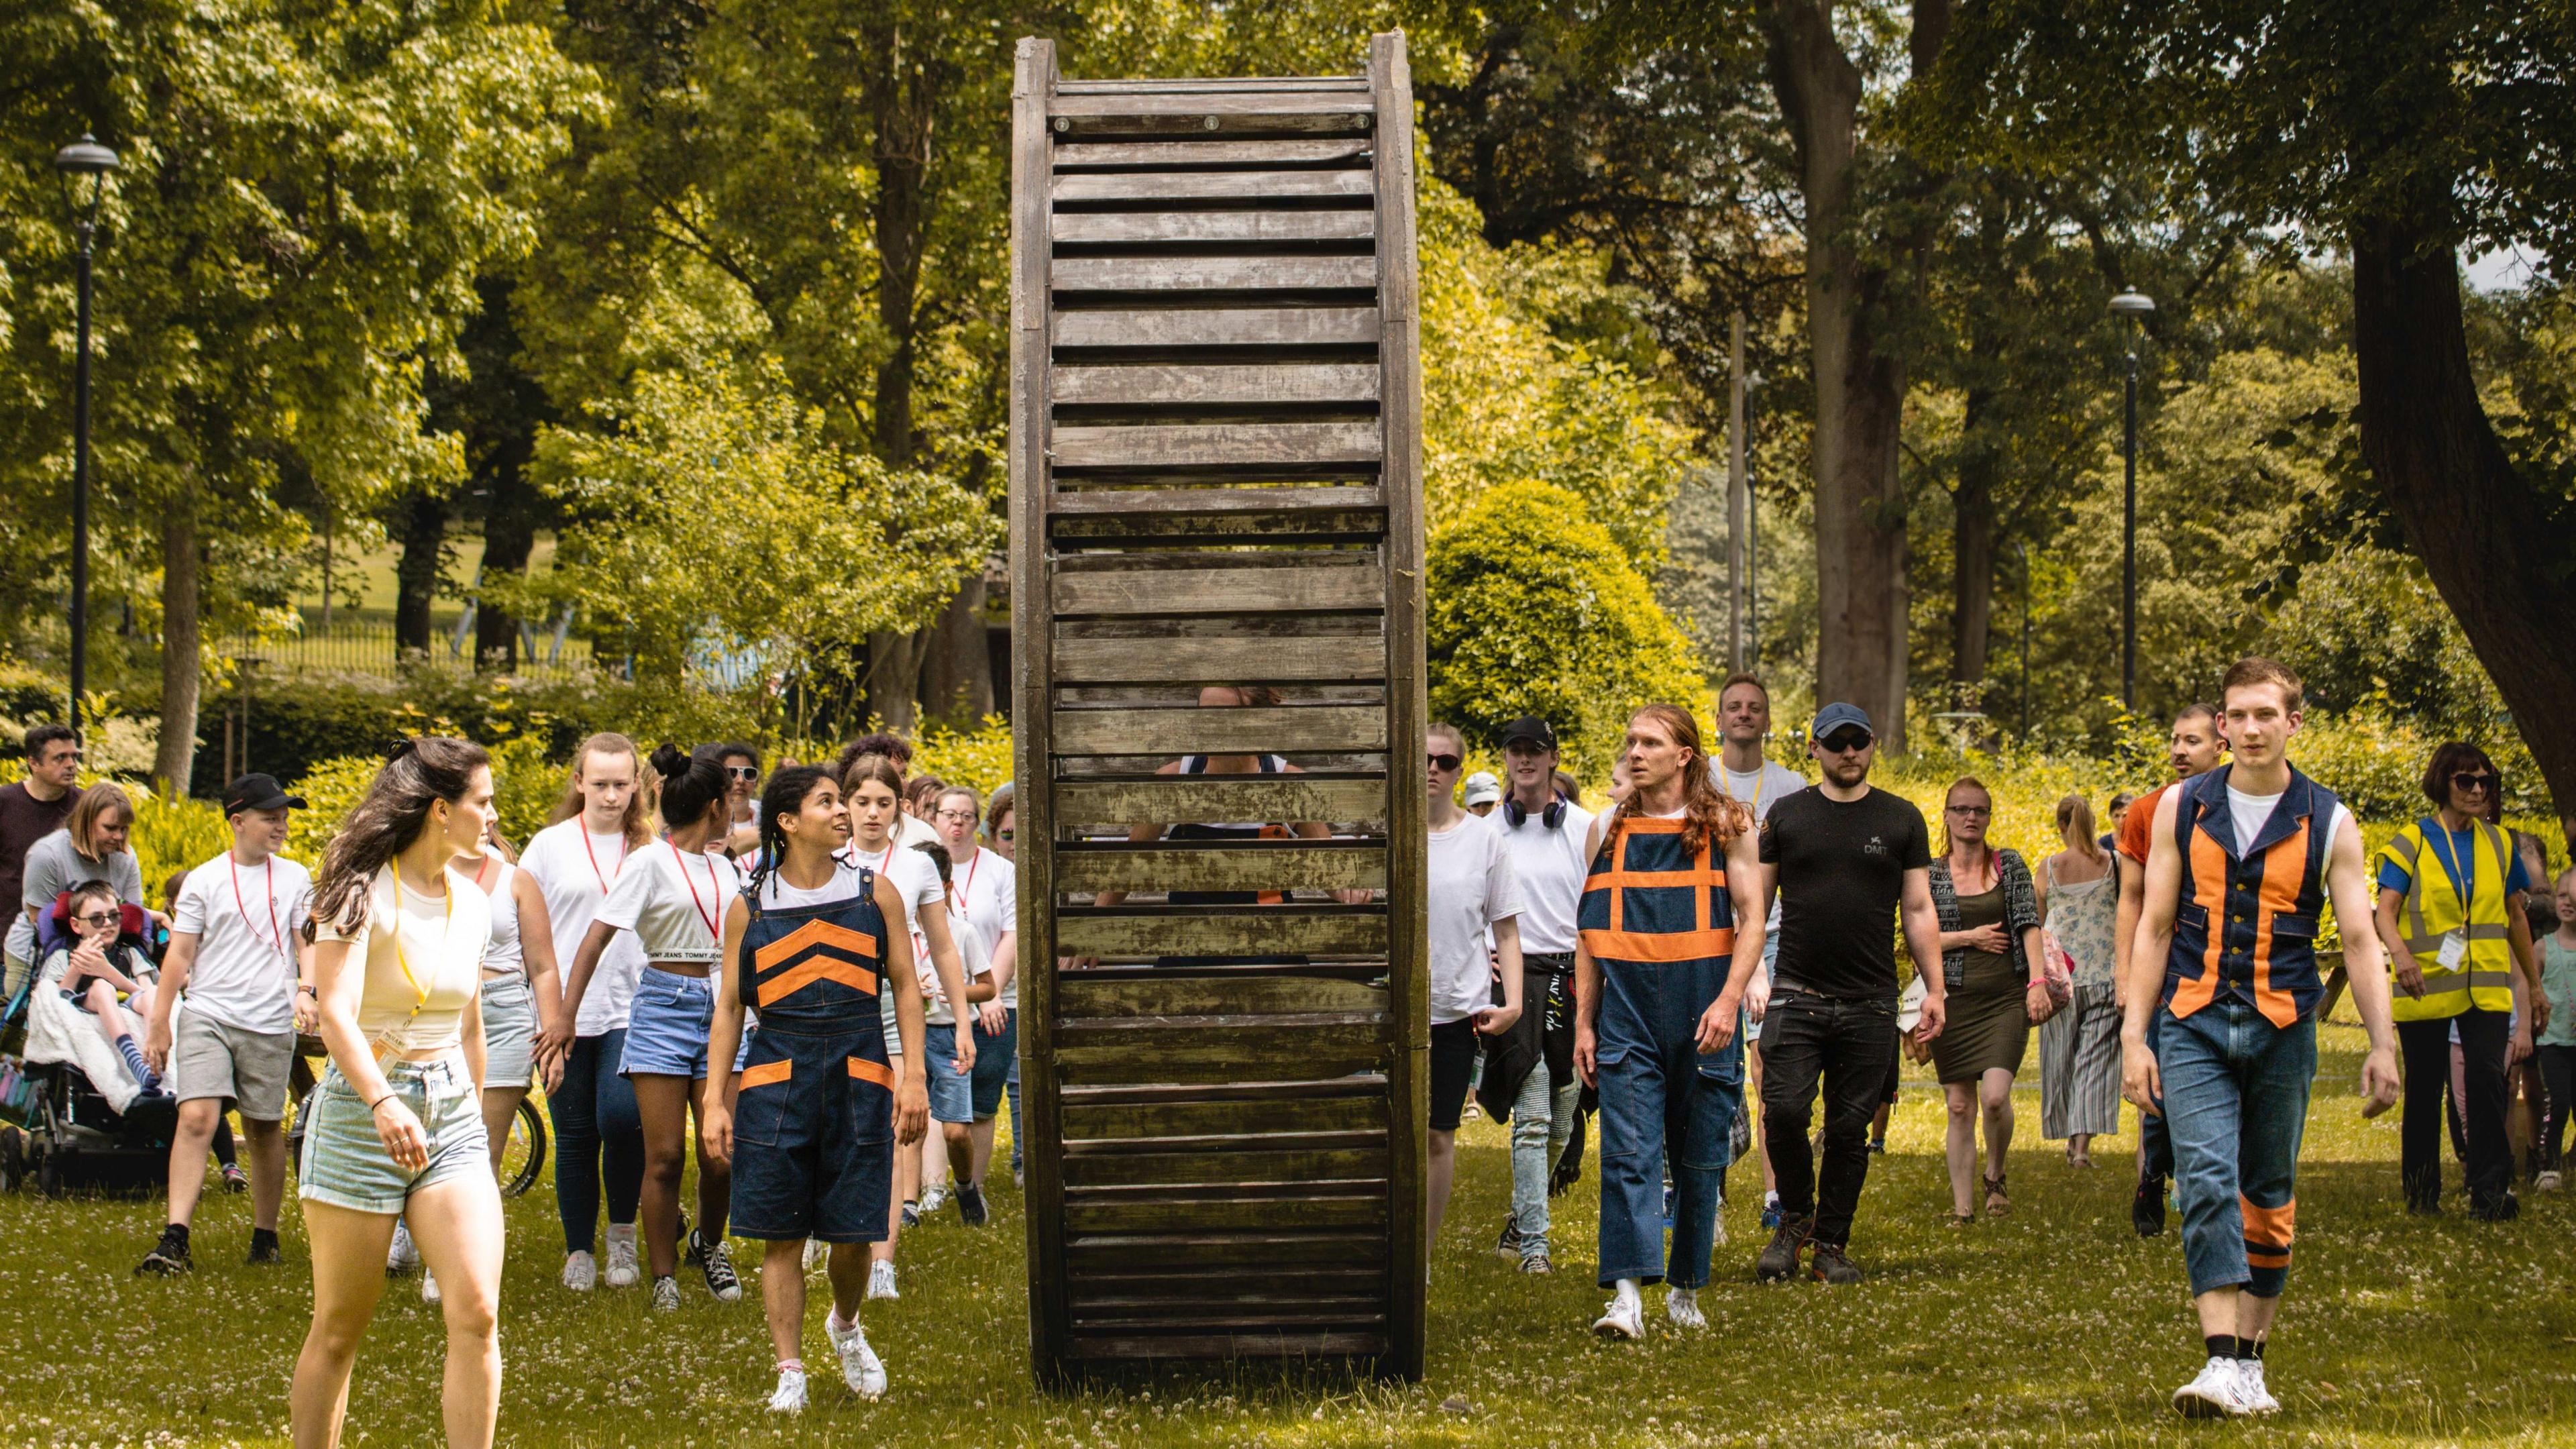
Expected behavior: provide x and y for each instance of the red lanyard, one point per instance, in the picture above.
(682, 857)
(276, 938)
(594, 857)
(974, 863)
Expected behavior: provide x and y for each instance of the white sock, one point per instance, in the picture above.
(1771, 1199)
(622, 1233)
(1624, 1293)
(838, 1323)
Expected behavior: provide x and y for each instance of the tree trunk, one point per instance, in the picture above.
(901, 95)
(174, 760)
(509, 537)
(957, 664)
(2489, 539)
(423, 517)
(1861, 648)
(894, 679)
(1972, 553)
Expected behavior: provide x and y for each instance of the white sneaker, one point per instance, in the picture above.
(1681, 1305)
(581, 1272)
(881, 1281)
(933, 1200)
(2249, 1380)
(1624, 1318)
(2218, 1393)
(429, 1287)
(621, 1263)
(2550, 1182)
(860, 1368)
(789, 1396)
(666, 1293)
(401, 1257)
(815, 1252)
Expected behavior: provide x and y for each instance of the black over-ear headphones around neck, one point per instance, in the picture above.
(1552, 817)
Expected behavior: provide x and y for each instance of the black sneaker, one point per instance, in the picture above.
(693, 1254)
(715, 1261)
(1829, 1264)
(2147, 1209)
(912, 1215)
(1508, 1243)
(1780, 1260)
(970, 1206)
(263, 1249)
(168, 1259)
(2503, 1209)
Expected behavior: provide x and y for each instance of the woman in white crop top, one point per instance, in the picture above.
(396, 1127)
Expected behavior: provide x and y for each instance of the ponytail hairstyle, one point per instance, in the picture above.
(638, 822)
(783, 796)
(420, 773)
(2075, 814)
(691, 786)
(1710, 817)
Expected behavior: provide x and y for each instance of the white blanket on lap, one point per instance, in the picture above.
(58, 1031)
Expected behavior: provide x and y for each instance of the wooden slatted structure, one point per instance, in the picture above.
(1216, 480)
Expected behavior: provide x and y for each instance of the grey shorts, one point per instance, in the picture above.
(210, 1059)
(345, 1163)
(509, 1030)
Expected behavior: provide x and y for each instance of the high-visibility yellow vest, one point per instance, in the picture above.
(2433, 909)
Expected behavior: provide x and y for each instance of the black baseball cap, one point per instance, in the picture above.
(1840, 715)
(1529, 728)
(258, 792)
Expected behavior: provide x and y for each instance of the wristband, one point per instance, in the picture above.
(380, 1101)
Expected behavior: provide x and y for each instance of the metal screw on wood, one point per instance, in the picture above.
(1209, 123)
(1063, 123)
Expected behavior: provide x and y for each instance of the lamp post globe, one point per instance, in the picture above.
(2134, 306)
(82, 158)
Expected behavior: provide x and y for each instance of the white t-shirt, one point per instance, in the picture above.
(573, 870)
(2249, 813)
(1549, 866)
(247, 921)
(505, 956)
(674, 901)
(1763, 789)
(1471, 887)
(988, 892)
(423, 956)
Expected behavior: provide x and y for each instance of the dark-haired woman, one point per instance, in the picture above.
(397, 1128)
(819, 1114)
(672, 896)
(2450, 910)
(1994, 970)
(598, 826)
(873, 793)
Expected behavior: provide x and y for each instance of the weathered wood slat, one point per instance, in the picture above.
(1254, 996)
(1240, 1124)
(1214, 867)
(1285, 730)
(1217, 502)
(1180, 1315)
(1145, 189)
(1283, 934)
(1225, 102)
(1215, 384)
(1310, 1280)
(1221, 591)
(1164, 559)
(1180, 228)
(1180, 327)
(1185, 154)
(1249, 659)
(1189, 1217)
(1284, 446)
(1215, 85)
(1120, 1348)
(1326, 1053)
(1147, 1250)
(1214, 274)
(1228, 1191)
(1187, 1167)
(1184, 799)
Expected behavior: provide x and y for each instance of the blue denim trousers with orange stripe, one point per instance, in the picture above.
(2236, 1105)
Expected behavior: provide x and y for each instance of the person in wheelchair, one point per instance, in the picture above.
(105, 975)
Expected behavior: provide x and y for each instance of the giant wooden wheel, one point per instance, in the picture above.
(1216, 480)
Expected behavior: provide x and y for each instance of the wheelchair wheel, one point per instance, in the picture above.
(524, 1156)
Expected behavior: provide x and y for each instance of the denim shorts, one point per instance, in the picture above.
(666, 1035)
(977, 1095)
(813, 1139)
(509, 1030)
(345, 1163)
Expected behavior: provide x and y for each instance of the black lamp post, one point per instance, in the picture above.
(84, 157)
(2134, 306)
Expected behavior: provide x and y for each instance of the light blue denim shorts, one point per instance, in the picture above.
(509, 1030)
(666, 1033)
(345, 1163)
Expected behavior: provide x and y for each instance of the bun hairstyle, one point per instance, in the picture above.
(395, 811)
(783, 796)
(691, 786)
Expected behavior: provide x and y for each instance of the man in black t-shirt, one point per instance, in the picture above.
(1844, 859)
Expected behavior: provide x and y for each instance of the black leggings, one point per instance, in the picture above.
(2558, 1075)
(2426, 1047)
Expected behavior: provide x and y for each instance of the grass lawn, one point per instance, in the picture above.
(2055, 1325)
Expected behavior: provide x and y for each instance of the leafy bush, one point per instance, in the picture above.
(331, 790)
(979, 759)
(1535, 609)
(172, 835)
(525, 787)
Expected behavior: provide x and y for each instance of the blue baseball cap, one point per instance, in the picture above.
(1840, 715)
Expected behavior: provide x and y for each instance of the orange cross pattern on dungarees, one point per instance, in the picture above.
(1701, 941)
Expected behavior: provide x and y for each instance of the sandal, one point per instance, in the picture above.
(1958, 1220)
(1997, 1204)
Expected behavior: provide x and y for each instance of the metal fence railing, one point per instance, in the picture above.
(361, 641)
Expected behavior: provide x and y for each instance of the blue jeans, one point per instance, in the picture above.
(598, 1134)
(1659, 1095)
(1539, 1132)
(2236, 1104)
(2153, 1139)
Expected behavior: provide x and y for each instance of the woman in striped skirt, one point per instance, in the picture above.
(2079, 1048)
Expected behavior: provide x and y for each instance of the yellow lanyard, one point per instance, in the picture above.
(402, 962)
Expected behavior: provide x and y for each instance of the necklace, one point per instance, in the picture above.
(604, 877)
(682, 857)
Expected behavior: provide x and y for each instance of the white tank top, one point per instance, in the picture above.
(503, 957)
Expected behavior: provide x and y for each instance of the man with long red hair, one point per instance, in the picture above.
(1668, 935)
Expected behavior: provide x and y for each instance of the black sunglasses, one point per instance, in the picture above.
(95, 918)
(1445, 762)
(2472, 780)
(1844, 742)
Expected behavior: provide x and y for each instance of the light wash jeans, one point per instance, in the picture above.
(2236, 1103)
(1542, 1120)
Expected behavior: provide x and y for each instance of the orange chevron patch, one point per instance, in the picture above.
(813, 934)
(812, 969)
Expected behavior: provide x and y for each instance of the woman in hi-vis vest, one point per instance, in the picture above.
(2450, 911)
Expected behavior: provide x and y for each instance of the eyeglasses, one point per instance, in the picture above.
(1005, 834)
(1846, 742)
(2473, 781)
(1974, 811)
(95, 918)
(955, 817)
(1445, 762)
(742, 772)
